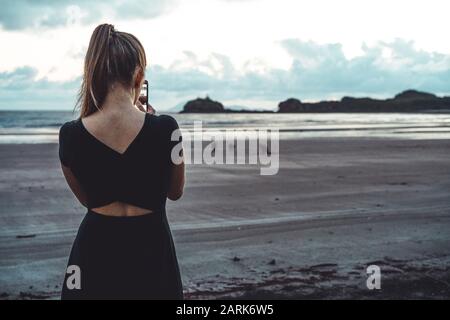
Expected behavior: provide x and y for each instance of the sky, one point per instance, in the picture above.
(243, 53)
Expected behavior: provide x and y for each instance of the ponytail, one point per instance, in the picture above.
(112, 56)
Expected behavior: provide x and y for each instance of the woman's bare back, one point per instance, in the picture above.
(117, 130)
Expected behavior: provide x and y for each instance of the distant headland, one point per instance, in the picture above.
(406, 101)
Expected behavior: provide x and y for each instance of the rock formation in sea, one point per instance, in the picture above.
(406, 101)
(201, 105)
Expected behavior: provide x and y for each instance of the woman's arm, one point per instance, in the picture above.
(176, 186)
(177, 177)
(74, 185)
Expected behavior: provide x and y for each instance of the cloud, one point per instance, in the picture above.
(385, 68)
(318, 71)
(22, 14)
(20, 90)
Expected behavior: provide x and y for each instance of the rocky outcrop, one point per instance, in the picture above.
(413, 95)
(205, 105)
(290, 105)
(406, 101)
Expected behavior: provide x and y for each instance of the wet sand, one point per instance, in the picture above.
(335, 207)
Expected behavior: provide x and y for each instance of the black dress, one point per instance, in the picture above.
(122, 257)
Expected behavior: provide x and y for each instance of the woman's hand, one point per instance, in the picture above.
(140, 104)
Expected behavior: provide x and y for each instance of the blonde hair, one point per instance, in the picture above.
(112, 57)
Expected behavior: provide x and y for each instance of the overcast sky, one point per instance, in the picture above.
(241, 52)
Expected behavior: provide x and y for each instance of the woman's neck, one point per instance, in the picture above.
(118, 100)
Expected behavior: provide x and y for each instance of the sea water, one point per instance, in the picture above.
(43, 126)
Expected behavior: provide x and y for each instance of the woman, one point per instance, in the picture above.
(117, 161)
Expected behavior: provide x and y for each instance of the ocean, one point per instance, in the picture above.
(43, 126)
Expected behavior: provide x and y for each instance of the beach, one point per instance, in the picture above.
(336, 206)
(315, 137)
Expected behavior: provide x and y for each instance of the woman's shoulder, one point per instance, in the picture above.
(66, 133)
(69, 124)
(165, 122)
(68, 128)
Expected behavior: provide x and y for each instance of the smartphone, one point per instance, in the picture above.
(144, 92)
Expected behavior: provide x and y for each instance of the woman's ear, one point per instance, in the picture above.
(139, 77)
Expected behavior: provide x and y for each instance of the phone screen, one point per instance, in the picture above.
(144, 92)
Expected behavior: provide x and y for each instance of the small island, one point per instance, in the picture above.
(205, 105)
(406, 101)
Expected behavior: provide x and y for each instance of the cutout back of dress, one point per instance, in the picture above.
(115, 148)
(139, 176)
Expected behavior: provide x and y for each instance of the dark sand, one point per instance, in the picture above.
(336, 206)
